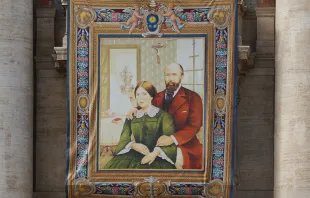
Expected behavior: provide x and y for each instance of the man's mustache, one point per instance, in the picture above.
(171, 84)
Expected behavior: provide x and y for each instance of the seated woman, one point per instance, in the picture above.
(137, 146)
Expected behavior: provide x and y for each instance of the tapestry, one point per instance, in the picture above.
(151, 88)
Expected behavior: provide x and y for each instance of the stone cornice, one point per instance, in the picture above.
(244, 53)
(265, 11)
(250, 15)
(60, 57)
(45, 12)
(40, 59)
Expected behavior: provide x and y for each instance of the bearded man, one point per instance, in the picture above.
(185, 106)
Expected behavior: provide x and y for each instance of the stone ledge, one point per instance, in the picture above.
(40, 59)
(60, 57)
(261, 71)
(245, 59)
(250, 15)
(45, 12)
(264, 57)
(265, 11)
(266, 43)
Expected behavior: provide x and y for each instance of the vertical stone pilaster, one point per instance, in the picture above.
(249, 25)
(292, 110)
(50, 111)
(265, 31)
(255, 112)
(16, 99)
(60, 56)
(65, 5)
(241, 13)
(45, 37)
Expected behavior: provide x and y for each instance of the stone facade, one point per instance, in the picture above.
(292, 121)
(255, 112)
(16, 100)
(51, 106)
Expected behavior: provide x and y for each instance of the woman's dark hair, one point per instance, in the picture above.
(148, 87)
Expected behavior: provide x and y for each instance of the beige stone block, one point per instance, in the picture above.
(265, 28)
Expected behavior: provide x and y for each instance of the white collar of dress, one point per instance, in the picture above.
(151, 112)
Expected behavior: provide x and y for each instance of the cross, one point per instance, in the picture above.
(194, 56)
(156, 47)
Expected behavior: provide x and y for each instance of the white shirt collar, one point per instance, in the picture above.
(152, 111)
(176, 91)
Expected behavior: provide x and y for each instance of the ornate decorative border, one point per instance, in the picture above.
(218, 184)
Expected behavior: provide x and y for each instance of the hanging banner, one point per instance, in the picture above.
(151, 98)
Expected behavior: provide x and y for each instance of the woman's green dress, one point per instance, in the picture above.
(145, 130)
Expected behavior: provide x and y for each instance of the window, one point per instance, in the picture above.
(191, 55)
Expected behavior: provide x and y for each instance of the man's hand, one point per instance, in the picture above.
(150, 157)
(131, 113)
(141, 148)
(164, 141)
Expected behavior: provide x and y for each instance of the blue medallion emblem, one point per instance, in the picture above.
(152, 22)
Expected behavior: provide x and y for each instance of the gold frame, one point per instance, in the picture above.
(201, 28)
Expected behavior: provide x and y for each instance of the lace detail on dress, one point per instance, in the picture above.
(151, 112)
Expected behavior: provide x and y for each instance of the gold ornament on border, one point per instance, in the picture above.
(83, 103)
(215, 189)
(220, 17)
(84, 16)
(220, 102)
(151, 187)
(83, 187)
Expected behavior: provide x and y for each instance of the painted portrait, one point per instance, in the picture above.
(151, 101)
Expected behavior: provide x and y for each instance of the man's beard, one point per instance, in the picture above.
(172, 87)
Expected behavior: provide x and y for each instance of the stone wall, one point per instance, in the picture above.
(255, 117)
(255, 113)
(51, 109)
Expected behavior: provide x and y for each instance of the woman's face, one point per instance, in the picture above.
(143, 98)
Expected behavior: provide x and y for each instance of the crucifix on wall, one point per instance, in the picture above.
(157, 47)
